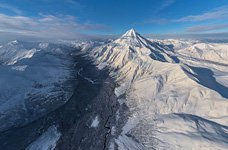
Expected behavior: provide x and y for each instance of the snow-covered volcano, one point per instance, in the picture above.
(162, 94)
(132, 38)
(173, 101)
(132, 46)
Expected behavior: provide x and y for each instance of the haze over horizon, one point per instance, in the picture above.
(73, 19)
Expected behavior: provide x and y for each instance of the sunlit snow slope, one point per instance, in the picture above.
(174, 92)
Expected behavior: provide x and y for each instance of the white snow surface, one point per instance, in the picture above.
(47, 141)
(95, 122)
(20, 68)
(176, 92)
(14, 51)
(32, 82)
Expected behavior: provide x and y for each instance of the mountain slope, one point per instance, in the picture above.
(159, 88)
(131, 46)
(44, 113)
(14, 51)
(34, 81)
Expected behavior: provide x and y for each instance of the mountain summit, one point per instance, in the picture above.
(133, 39)
(140, 46)
(130, 33)
(131, 47)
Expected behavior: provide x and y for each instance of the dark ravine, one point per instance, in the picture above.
(80, 135)
(74, 118)
(108, 125)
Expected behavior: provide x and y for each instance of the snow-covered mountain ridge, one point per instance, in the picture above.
(172, 94)
(33, 79)
(173, 90)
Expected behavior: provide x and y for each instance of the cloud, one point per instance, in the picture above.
(207, 28)
(155, 20)
(218, 13)
(210, 37)
(11, 8)
(73, 2)
(47, 26)
(166, 4)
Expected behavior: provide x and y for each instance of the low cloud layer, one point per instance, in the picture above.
(46, 26)
(211, 37)
(207, 28)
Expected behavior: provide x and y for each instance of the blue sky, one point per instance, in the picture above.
(77, 18)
